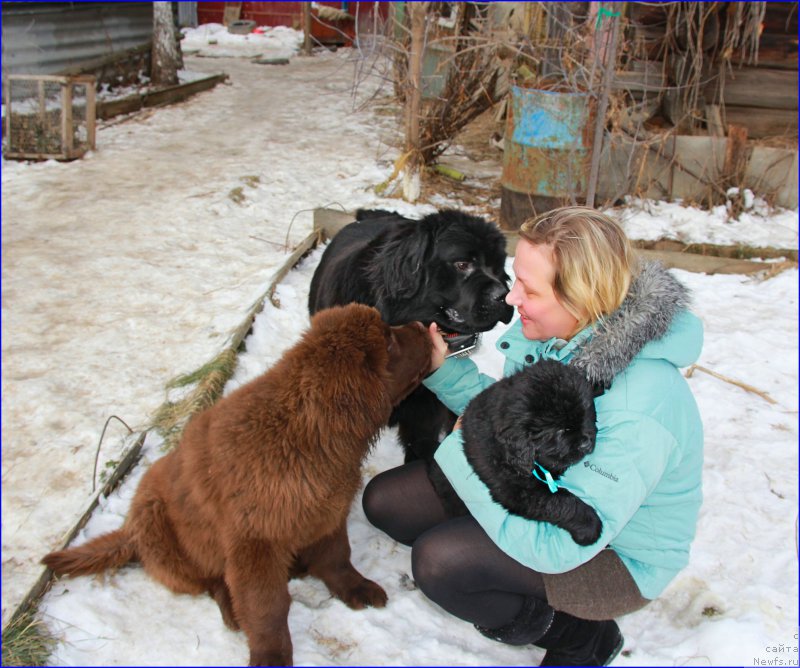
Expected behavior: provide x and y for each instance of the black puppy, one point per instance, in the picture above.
(520, 435)
(448, 268)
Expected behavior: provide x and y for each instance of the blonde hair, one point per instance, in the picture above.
(594, 260)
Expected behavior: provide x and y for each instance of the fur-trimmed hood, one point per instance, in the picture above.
(654, 299)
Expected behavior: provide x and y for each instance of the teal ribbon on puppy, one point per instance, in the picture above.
(552, 485)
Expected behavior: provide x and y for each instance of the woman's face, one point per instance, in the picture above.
(542, 315)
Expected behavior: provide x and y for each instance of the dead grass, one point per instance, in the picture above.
(209, 381)
(26, 642)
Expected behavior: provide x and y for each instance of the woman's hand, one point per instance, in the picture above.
(439, 347)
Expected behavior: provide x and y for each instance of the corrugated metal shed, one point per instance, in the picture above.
(54, 37)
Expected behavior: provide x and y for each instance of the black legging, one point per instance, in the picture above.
(453, 561)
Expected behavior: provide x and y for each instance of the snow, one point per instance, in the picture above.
(758, 225)
(135, 264)
(214, 41)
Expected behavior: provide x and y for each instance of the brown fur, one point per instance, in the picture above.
(260, 486)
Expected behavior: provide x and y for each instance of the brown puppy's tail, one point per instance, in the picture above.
(110, 550)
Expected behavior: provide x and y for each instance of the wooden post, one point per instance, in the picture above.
(42, 103)
(91, 112)
(306, 28)
(7, 83)
(714, 121)
(733, 169)
(735, 153)
(66, 119)
(735, 157)
(602, 107)
(231, 13)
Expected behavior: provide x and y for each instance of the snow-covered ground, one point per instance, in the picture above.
(132, 265)
(212, 40)
(757, 225)
(135, 264)
(733, 604)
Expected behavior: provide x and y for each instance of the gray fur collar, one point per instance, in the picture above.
(653, 300)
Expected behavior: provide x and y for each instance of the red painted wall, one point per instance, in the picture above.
(291, 14)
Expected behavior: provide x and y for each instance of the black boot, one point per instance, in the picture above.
(530, 624)
(569, 641)
(580, 642)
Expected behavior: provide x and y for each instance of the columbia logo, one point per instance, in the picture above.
(596, 469)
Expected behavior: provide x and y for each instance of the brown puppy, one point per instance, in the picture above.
(260, 486)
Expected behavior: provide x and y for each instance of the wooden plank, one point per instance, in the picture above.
(169, 95)
(644, 77)
(302, 249)
(232, 12)
(178, 93)
(763, 122)
(37, 77)
(328, 222)
(679, 259)
(126, 105)
(739, 252)
(778, 51)
(703, 264)
(756, 87)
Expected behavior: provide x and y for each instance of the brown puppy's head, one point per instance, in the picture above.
(409, 348)
(355, 350)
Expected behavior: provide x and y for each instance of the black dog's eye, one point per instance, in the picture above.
(463, 265)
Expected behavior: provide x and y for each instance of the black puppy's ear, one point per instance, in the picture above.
(400, 269)
(518, 438)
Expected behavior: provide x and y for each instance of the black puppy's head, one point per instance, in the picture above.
(548, 418)
(448, 268)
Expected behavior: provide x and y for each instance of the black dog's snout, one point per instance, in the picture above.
(498, 292)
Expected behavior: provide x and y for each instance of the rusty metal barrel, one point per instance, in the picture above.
(546, 153)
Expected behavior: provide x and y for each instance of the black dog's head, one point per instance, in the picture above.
(544, 414)
(448, 268)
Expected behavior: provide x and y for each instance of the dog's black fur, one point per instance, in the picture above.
(544, 414)
(448, 268)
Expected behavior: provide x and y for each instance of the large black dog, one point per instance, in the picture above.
(534, 423)
(448, 268)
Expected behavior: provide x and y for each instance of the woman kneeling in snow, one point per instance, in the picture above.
(584, 300)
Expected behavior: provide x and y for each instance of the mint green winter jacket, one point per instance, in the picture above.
(644, 476)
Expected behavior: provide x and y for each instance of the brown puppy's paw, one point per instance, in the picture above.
(270, 658)
(366, 594)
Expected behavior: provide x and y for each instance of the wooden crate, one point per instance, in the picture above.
(49, 117)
